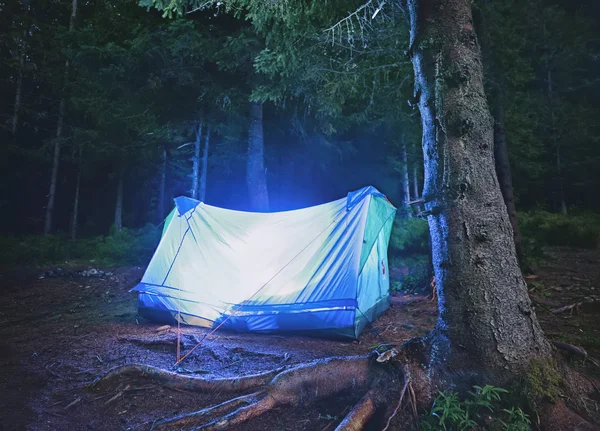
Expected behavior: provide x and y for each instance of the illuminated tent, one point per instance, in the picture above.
(321, 270)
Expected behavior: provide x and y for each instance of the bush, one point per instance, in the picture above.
(410, 254)
(128, 247)
(409, 236)
(543, 228)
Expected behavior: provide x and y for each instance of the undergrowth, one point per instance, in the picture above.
(540, 228)
(482, 408)
(410, 255)
(127, 247)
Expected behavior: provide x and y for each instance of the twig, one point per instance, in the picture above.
(399, 404)
(117, 395)
(73, 403)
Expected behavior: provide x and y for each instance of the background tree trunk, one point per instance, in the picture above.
(160, 208)
(119, 202)
(415, 184)
(562, 202)
(18, 91)
(405, 179)
(504, 175)
(75, 214)
(196, 161)
(256, 173)
(204, 174)
(58, 140)
(486, 324)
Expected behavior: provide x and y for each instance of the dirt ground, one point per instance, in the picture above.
(58, 334)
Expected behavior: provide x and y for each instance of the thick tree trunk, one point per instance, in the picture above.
(405, 179)
(502, 163)
(204, 173)
(486, 323)
(256, 174)
(504, 175)
(75, 214)
(196, 161)
(119, 201)
(58, 139)
(160, 209)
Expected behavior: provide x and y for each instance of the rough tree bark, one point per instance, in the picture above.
(58, 138)
(486, 326)
(204, 173)
(196, 161)
(119, 201)
(256, 173)
(75, 214)
(160, 208)
(495, 78)
(405, 179)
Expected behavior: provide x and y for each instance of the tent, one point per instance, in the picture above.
(320, 270)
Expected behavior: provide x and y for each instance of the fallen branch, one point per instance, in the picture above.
(567, 307)
(575, 350)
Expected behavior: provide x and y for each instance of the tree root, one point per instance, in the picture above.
(408, 368)
(358, 417)
(293, 386)
(145, 373)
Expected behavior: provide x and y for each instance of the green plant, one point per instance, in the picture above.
(481, 407)
(517, 420)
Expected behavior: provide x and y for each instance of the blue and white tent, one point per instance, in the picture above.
(319, 270)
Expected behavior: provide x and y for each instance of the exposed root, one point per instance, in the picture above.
(145, 373)
(182, 421)
(395, 412)
(358, 417)
(241, 415)
(294, 386)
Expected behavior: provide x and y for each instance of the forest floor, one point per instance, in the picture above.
(59, 333)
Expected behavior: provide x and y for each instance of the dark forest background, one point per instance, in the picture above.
(128, 94)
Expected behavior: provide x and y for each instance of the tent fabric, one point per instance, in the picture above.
(317, 270)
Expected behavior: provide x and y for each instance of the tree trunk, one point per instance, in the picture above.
(504, 175)
(486, 324)
(17, 107)
(415, 184)
(57, 141)
(502, 163)
(75, 214)
(119, 202)
(561, 184)
(160, 210)
(256, 173)
(204, 172)
(405, 179)
(196, 161)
